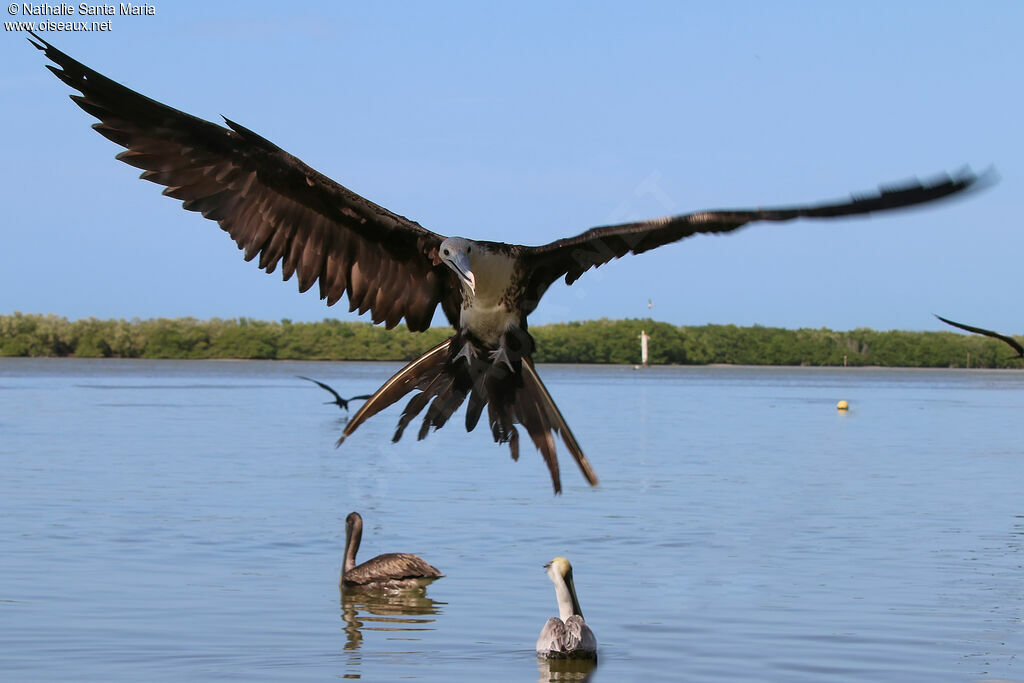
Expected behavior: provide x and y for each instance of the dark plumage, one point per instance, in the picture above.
(1013, 343)
(281, 211)
(391, 571)
(338, 400)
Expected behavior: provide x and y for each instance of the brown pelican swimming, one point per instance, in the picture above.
(280, 210)
(341, 402)
(1013, 343)
(566, 636)
(388, 572)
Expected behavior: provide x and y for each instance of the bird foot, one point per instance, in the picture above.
(499, 355)
(466, 352)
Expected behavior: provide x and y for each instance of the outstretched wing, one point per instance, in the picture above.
(988, 333)
(272, 204)
(573, 256)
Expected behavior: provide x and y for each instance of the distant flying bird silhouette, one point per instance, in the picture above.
(988, 333)
(282, 212)
(341, 402)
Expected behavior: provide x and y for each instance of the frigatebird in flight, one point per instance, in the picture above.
(341, 402)
(282, 211)
(1013, 343)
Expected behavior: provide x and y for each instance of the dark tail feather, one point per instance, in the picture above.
(493, 386)
(503, 426)
(447, 401)
(416, 404)
(512, 397)
(531, 416)
(439, 386)
(477, 401)
(421, 371)
(537, 412)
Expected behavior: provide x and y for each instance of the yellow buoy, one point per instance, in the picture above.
(842, 405)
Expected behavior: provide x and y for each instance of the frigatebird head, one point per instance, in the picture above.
(454, 252)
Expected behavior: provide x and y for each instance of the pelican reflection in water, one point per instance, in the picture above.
(367, 611)
(390, 572)
(566, 636)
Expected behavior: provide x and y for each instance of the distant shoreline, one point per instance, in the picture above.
(598, 342)
(624, 366)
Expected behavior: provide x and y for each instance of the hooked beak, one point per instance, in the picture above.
(460, 264)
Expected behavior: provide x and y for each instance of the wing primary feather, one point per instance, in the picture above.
(1013, 343)
(572, 256)
(270, 202)
(400, 384)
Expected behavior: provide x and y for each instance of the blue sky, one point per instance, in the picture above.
(526, 122)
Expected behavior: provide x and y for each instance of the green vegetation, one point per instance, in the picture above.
(594, 341)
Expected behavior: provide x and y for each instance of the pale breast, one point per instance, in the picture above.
(488, 323)
(493, 309)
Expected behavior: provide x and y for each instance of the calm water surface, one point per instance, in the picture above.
(165, 520)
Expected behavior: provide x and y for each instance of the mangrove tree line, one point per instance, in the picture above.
(593, 341)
